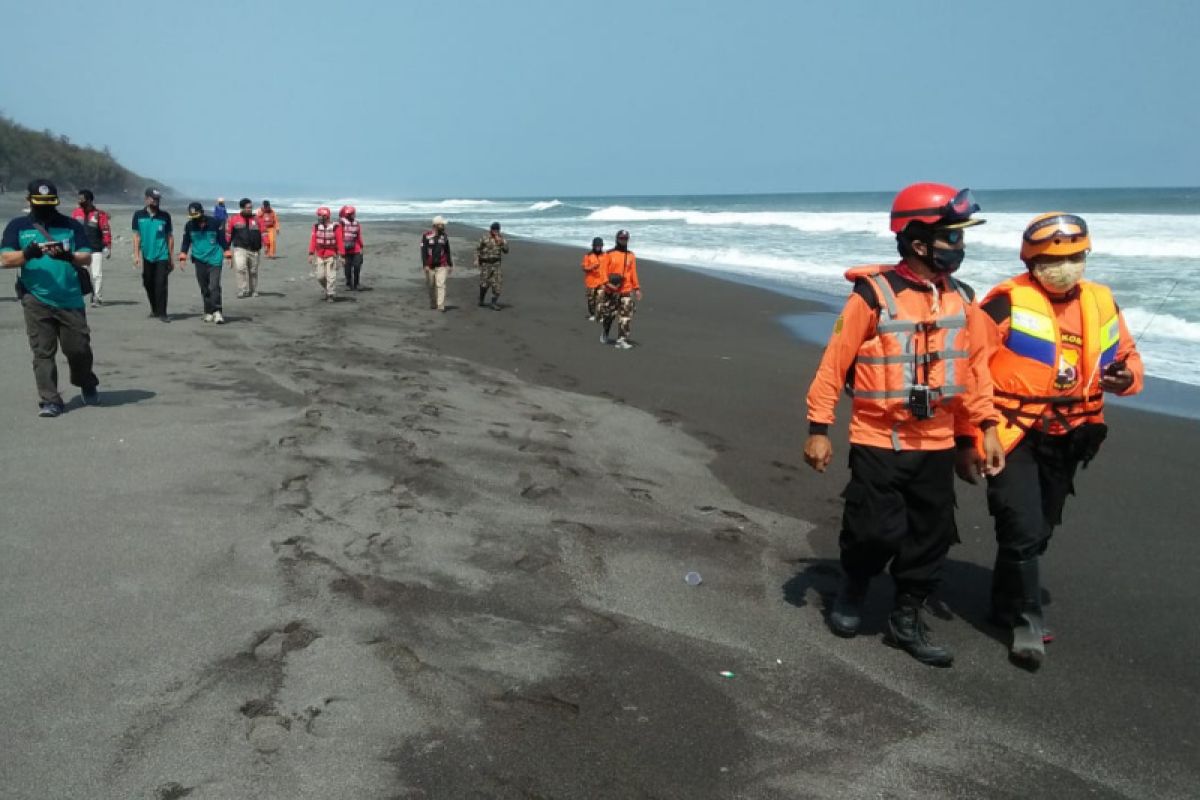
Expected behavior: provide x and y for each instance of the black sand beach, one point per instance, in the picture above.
(365, 550)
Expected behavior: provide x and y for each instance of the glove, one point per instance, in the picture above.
(32, 250)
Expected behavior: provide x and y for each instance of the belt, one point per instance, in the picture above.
(497, 261)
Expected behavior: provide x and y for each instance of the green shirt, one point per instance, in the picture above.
(50, 280)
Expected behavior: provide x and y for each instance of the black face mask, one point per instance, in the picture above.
(945, 261)
(622, 246)
(43, 212)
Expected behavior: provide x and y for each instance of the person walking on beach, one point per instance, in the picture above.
(268, 223)
(1059, 344)
(910, 347)
(96, 225)
(437, 262)
(620, 288)
(153, 243)
(488, 255)
(245, 247)
(204, 237)
(323, 248)
(593, 277)
(352, 246)
(219, 212)
(52, 251)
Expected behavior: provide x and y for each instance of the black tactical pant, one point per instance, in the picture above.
(352, 263)
(154, 279)
(209, 278)
(49, 327)
(1027, 498)
(899, 509)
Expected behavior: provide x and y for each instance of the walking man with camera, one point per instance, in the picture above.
(910, 348)
(1059, 343)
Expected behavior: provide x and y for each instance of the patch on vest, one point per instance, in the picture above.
(838, 324)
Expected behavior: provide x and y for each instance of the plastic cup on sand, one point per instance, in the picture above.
(693, 578)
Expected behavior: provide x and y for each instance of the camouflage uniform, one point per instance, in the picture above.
(489, 252)
(616, 305)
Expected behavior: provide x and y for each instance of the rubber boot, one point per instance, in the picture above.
(1028, 646)
(907, 631)
(482, 296)
(1007, 594)
(845, 616)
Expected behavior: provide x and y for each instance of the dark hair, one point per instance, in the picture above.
(86, 194)
(913, 232)
(245, 201)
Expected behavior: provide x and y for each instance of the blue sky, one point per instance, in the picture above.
(540, 98)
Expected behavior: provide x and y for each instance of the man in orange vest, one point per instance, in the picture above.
(619, 290)
(910, 348)
(268, 222)
(594, 277)
(1058, 344)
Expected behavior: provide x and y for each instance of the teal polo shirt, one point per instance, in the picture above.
(206, 243)
(50, 280)
(154, 231)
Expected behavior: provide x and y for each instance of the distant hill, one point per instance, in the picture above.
(27, 154)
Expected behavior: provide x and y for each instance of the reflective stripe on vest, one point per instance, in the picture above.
(897, 336)
(326, 236)
(350, 233)
(1025, 367)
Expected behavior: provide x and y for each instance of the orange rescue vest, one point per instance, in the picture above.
(1025, 367)
(920, 339)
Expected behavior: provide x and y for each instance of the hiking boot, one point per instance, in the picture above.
(50, 410)
(908, 632)
(91, 396)
(218, 318)
(845, 616)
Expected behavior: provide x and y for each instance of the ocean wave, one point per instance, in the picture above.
(808, 221)
(1145, 323)
(545, 205)
(1122, 235)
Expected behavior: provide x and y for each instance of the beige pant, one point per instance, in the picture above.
(325, 271)
(97, 270)
(435, 279)
(245, 264)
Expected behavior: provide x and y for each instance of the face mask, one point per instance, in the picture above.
(42, 212)
(944, 260)
(1059, 277)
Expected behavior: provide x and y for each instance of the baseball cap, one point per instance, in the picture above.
(495, 226)
(152, 192)
(195, 210)
(43, 193)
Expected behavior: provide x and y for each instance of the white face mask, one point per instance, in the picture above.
(1059, 277)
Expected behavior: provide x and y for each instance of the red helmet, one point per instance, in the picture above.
(322, 212)
(347, 211)
(934, 204)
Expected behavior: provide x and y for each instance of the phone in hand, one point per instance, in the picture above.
(1114, 369)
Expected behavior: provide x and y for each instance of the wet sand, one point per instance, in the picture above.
(366, 550)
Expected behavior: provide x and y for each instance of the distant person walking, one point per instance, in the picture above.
(204, 237)
(52, 252)
(220, 213)
(153, 243)
(268, 223)
(245, 247)
(323, 248)
(437, 262)
(620, 288)
(593, 277)
(488, 256)
(96, 225)
(352, 246)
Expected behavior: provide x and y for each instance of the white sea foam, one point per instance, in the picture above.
(545, 205)
(810, 221)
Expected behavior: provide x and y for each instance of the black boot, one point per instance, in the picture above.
(907, 631)
(495, 302)
(845, 616)
(1028, 630)
(482, 296)
(1008, 597)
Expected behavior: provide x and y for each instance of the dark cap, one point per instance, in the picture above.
(87, 194)
(597, 241)
(43, 192)
(267, 203)
(195, 210)
(155, 193)
(495, 226)
(622, 234)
